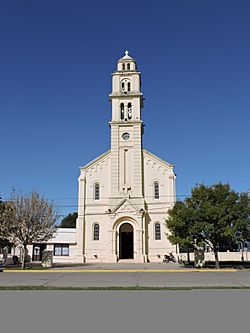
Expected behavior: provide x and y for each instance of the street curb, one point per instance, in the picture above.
(120, 271)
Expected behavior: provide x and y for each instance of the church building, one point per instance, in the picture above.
(125, 193)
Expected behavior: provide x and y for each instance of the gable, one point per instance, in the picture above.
(155, 163)
(125, 206)
(97, 160)
(98, 166)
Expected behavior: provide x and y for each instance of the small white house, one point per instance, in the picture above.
(62, 245)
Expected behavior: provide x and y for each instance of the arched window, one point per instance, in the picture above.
(122, 110)
(156, 190)
(96, 234)
(125, 86)
(129, 110)
(123, 67)
(157, 231)
(128, 67)
(97, 191)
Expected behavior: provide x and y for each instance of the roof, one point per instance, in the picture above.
(97, 159)
(126, 57)
(157, 158)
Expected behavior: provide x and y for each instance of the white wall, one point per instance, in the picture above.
(64, 236)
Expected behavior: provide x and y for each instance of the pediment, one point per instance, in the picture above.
(147, 154)
(125, 205)
(96, 164)
(156, 163)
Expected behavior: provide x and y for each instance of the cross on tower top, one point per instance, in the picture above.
(127, 56)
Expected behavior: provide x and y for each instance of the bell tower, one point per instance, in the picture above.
(126, 130)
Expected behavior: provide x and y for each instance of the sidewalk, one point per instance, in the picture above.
(121, 266)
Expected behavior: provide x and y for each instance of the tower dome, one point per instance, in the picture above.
(126, 63)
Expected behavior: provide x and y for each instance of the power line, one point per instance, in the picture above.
(103, 197)
(108, 213)
(106, 204)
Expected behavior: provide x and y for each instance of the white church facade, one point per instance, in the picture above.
(125, 194)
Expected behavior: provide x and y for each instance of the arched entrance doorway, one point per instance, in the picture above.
(126, 237)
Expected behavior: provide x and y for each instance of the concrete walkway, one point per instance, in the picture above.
(121, 267)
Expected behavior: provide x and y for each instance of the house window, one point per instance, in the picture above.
(96, 231)
(61, 250)
(97, 191)
(157, 231)
(128, 67)
(123, 67)
(156, 190)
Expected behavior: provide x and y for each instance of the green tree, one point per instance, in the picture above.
(179, 222)
(28, 219)
(69, 221)
(211, 215)
(242, 224)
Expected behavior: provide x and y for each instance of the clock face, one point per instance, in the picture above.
(125, 136)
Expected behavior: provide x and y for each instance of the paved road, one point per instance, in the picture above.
(196, 311)
(124, 279)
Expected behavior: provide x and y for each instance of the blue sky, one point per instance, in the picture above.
(56, 59)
